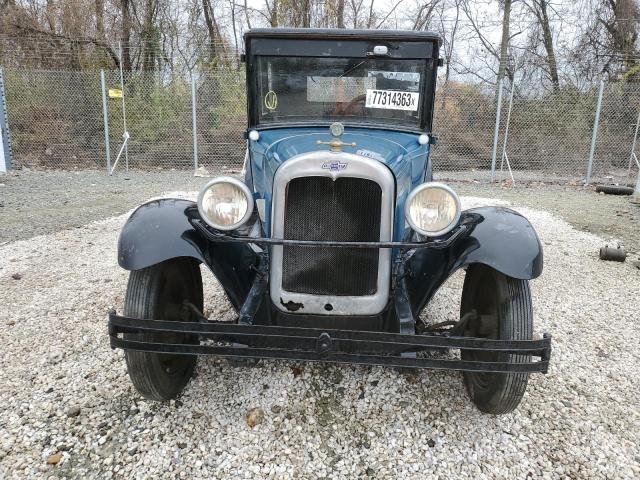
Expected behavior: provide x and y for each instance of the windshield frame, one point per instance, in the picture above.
(351, 44)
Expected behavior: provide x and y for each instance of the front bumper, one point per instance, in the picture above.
(332, 346)
(247, 339)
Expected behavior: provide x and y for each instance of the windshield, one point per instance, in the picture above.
(358, 90)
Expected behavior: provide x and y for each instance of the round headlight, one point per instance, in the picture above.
(225, 203)
(432, 209)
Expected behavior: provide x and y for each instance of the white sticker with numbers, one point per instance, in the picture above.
(392, 100)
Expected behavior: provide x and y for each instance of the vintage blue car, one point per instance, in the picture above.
(335, 238)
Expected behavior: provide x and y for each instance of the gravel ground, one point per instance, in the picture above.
(613, 217)
(65, 396)
(37, 202)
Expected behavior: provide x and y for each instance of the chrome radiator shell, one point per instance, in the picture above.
(333, 165)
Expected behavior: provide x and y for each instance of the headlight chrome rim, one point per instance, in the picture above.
(238, 183)
(441, 186)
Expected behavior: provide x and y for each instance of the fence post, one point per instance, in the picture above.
(633, 156)
(194, 122)
(635, 198)
(506, 137)
(124, 110)
(594, 135)
(496, 132)
(5, 143)
(3, 159)
(105, 117)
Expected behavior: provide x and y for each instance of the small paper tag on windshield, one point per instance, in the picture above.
(392, 100)
(399, 76)
(337, 89)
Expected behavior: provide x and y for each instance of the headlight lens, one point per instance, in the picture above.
(225, 203)
(432, 209)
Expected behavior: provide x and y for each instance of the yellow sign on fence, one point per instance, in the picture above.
(115, 93)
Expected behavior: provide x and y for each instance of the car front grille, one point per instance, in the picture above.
(320, 208)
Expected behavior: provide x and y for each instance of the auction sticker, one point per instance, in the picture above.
(392, 100)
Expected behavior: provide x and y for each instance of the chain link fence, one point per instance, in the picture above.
(464, 120)
(221, 102)
(617, 132)
(55, 119)
(548, 137)
(157, 117)
(196, 123)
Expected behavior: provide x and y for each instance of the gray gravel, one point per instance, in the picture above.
(34, 202)
(37, 202)
(613, 217)
(65, 396)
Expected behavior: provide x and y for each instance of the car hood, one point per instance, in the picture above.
(399, 151)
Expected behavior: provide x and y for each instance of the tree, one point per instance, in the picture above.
(484, 41)
(424, 14)
(449, 37)
(542, 35)
(481, 32)
(272, 10)
(212, 29)
(149, 36)
(125, 36)
(620, 18)
(541, 12)
(608, 43)
(340, 14)
(504, 41)
(99, 5)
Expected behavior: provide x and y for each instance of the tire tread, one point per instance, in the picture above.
(140, 301)
(516, 317)
(516, 384)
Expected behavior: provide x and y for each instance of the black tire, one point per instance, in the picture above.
(157, 292)
(503, 305)
(614, 189)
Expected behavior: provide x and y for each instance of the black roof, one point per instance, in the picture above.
(341, 33)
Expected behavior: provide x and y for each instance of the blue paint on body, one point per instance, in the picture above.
(399, 151)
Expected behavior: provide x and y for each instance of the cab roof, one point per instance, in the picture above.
(341, 33)
(338, 42)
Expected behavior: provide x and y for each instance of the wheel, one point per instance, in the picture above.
(503, 305)
(158, 292)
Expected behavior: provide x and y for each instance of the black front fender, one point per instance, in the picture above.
(159, 230)
(500, 238)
